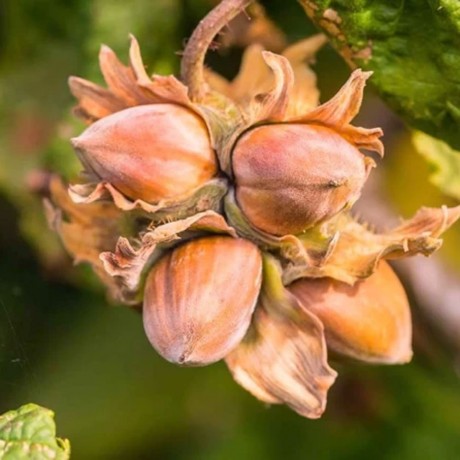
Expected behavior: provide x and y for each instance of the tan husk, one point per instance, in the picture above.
(91, 233)
(342, 248)
(206, 197)
(355, 250)
(283, 358)
(255, 77)
(128, 86)
(85, 230)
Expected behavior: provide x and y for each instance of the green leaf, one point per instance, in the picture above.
(30, 433)
(413, 47)
(443, 160)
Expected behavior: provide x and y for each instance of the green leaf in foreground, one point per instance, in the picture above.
(30, 433)
(443, 160)
(413, 47)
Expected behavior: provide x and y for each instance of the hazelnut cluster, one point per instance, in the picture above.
(224, 212)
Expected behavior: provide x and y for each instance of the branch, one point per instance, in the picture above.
(192, 73)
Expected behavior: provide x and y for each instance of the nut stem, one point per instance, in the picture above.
(193, 58)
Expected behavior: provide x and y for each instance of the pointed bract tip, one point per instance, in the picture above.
(270, 58)
(133, 40)
(73, 83)
(104, 49)
(360, 73)
(267, 54)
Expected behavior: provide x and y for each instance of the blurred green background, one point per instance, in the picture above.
(65, 346)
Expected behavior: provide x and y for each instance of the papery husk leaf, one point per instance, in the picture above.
(85, 229)
(206, 197)
(217, 111)
(283, 359)
(255, 76)
(163, 88)
(341, 109)
(363, 138)
(273, 104)
(128, 86)
(345, 105)
(94, 102)
(357, 249)
(270, 105)
(121, 80)
(219, 115)
(305, 93)
(137, 63)
(131, 259)
(430, 221)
